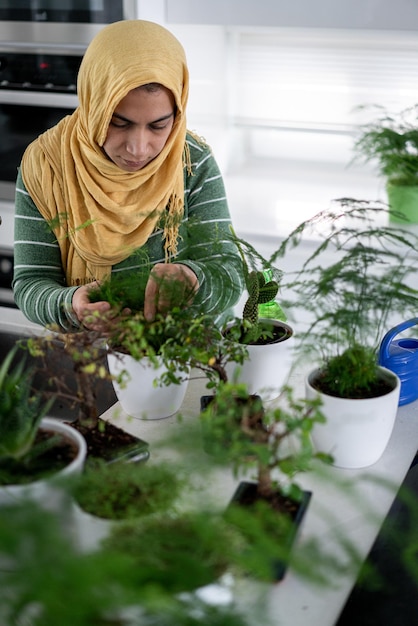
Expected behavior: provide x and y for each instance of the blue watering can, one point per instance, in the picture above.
(401, 357)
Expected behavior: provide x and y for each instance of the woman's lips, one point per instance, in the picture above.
(134, 164)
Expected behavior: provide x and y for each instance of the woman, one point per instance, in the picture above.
(121, 175)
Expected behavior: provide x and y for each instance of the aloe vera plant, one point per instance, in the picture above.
(21, 410)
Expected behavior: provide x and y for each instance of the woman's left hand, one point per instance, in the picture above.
(169, 285)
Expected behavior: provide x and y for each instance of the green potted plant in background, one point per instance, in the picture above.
(353, 295)
(34, 449)
(392, 142)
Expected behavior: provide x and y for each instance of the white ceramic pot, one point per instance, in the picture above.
(356, 432)
(267, 368)
(45, 492)
(89, 530)
(138, 395)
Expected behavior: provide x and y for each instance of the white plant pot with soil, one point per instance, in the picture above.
(138, 394)
(268, 366)
(89, 530)
(356, 431)
(46, 491)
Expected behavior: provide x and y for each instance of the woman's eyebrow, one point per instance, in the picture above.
(125, 119)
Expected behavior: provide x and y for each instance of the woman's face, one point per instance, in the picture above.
(140, 127)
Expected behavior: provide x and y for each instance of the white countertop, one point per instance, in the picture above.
(346, 503)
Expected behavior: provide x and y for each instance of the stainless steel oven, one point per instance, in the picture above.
(59, 21)
(42, 43)
(37, 89)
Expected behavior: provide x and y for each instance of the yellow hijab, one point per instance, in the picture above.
(99, 212)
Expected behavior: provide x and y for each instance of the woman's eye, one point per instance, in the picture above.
(158, 126)
(118, 123)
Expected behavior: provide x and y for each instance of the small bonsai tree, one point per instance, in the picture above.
(260, 438)
(355, 298)
(272, 446)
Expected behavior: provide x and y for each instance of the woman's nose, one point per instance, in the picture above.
(137, 143)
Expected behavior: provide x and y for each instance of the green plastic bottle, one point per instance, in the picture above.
(271, 309)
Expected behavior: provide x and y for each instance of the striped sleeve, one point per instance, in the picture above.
(206, 245)
(39, 285)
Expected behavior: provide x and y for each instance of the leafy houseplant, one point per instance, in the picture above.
(352, 300)
(392, 142)
(33, 448)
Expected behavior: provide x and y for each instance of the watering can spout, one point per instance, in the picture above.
(401, 357)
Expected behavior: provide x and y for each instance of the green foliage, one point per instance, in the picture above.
(353, 372)
(21, 409)
(126, 490)
(250, 437)
(262, 282)
(353, 298)
(202, 542)
(48, 582)
(125, 290)
(181, 339)
(392, 140)
(86, 354)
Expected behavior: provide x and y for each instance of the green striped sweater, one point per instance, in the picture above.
(39, 283)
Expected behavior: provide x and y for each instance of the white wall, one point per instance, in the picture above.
(374, 14)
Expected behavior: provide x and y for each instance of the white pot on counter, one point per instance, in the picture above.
(46, 492)
(138, 394)
(268, 366)
(356, 431)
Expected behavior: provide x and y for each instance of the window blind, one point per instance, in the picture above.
(317, 79)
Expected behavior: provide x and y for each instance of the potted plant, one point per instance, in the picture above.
(106, 494)
(351, 295)
(275, 444)
(180, 553)
(34, 449)
(392, 142)
(269, 340)
(86, 355)
(168, 347)
(136, 362)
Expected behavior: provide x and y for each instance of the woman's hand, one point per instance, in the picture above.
(169, 285)
(93, 315)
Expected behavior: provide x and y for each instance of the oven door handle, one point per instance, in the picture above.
(38, 98)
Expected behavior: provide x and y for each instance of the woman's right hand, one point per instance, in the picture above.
(93, 315)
